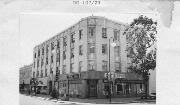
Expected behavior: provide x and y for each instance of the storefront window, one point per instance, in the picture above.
(119, 88)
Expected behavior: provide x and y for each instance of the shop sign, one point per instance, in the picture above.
(118, 75)
(74, 76)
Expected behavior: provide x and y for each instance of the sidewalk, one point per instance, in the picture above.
(113, 101)
(99, 101)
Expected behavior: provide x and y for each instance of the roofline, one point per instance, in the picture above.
(82, 19)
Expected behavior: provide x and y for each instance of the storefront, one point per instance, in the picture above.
(42, 85)
(93, 84)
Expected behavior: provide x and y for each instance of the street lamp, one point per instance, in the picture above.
(113, 45)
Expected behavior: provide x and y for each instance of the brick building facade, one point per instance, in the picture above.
(81, 52)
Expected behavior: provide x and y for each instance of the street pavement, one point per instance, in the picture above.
(39, 100)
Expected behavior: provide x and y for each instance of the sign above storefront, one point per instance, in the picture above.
(118, 75)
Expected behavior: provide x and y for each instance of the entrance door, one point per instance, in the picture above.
(50, 86)
(92, 88)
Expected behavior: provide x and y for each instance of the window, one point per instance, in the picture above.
(58, 57)
(41, 73)
(34, 55)
(80, 34)
(64, 69)
(71, 67)
(37, 63)
(72, 37)
(42, 62)
(64, 41)
(116, 35)
(104, 48)
(91, 48)
(38, 53)
(91, 31)
(47, 47)
(64, 55)
(34, 64)
(33, 74)
(51, 58)
(117, 51)
(141, 87)
(46, 60)
(52, 46)
(80, 50)
(104, 65)
(117, 66)
(58, 45)
(104, 33)
(37, 74)
(72, 53)
(43, 51)
(119, 88)
(91, 65)
(45, 72)
(80, 66)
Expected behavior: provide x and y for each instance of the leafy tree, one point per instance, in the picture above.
(141, 47)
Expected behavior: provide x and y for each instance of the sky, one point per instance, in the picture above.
(20, 30)
(36, 28)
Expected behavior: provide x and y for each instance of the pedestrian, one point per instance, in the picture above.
(29, 91)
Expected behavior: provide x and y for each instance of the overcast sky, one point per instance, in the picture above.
(36, 28)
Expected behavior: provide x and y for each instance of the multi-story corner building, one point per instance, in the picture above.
(25, 76)
(84, 53)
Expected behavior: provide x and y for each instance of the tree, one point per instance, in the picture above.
(141, 47)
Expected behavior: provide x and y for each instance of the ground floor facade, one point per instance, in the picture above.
(93, 84)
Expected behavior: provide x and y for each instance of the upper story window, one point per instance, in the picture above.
(91, 65)
(117, 66)
(64, 69)
(34, 55)
(91, 32)
(39, 53)
(104, 33)
(37, 63)
(42, 62)
(91, 48)
(64, 41)
(34, 64)
(104, 65)
(47, 49)
(58, 57)
(117, 51)
(58, 45)
(33, 74)
(80, 34)
(80, 66)
(41, 73)
(72, 53)
(45, 72)
(51, 58)
(71, 67)
(52, 46)
(64, 55)
(46, 60)
(43, 51)
(72, 37)
(116, 35)
(104, 48)
(80, 50)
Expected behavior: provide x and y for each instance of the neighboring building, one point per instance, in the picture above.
(82, 53)
(25, 76)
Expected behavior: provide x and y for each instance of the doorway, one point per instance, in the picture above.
(92, 88)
